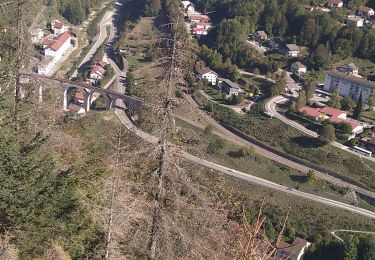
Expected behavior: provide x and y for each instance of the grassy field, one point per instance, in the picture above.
(292, 141)
(257, 165)
(264, 85)
(366, 67)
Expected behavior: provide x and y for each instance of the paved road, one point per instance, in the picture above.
(231, 172)
(225, 170)
(333, 233)
(228, 135)
(271, 108)
(244, 176)
(106, 21)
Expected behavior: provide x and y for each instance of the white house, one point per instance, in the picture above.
(356, 20)
(260, 36)
(298, 68)
(291, 50)
(58, 46)
(228, 87)
(36, 35)
(58, 27)
(292, 251)
(348, 68)
(54, 49)
(46, 65)
(335, 3)
(365, 11)
(96, 72)
(209, 75)
(185, 4)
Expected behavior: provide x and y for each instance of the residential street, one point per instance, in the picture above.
(237, 174)
(106, 21)
(271, 108)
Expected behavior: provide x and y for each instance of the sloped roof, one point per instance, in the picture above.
(292, 47)
(350, 77)
(365, 9)
(299, 65)
(230, 83)
(58, 24)
(59, 41)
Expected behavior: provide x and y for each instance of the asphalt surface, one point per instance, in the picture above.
(271, 108)
(225, 170)
(106, 21)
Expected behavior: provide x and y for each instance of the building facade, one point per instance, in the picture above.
(349, 85)
(208, 75)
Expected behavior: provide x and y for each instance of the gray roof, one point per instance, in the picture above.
(353, 66)
(292, 47)
(261, 33)
(230, 83)
(299, 64)
(350, 77)
(206, 70)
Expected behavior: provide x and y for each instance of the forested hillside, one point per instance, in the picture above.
(319, 31)
(75, 11)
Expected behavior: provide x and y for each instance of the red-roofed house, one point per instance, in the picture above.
(335, 3)
(333, 115)
(54, 49)
(96, 73)
(58, 27)
(365, 11)
(58, 46)
(79, 97)
(199, 31)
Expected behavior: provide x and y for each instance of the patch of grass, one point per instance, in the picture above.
(257, 165)
(135, 60)
(292, 141)
(366, 67)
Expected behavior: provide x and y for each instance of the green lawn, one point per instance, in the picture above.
(292, 141)
(264, 85)
(135, 60)
(366, 67)
(257, 165)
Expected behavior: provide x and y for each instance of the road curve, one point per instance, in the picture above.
(234, 173)
(271, 108)
(244, 176)
(225, 170)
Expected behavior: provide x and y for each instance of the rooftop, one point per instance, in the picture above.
(58, 24)
(365, 9)
(292, 47)
(299, 65)
(59, 41)
(230, 83)
(262, 33)
(351, 77)
(354, 18)
(206, 70)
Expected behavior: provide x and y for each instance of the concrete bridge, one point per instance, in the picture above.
(87, 90)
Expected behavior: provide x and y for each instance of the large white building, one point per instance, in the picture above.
(54, 49)
(208, 75)
(58, 46)
(349, 85)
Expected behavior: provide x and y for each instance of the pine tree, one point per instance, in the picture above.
(358, 109)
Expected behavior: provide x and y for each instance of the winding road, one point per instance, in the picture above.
(119, 111)
(271, 108)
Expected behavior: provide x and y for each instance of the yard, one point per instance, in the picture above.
(285, 138)
(254, 164)
(366, 67)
